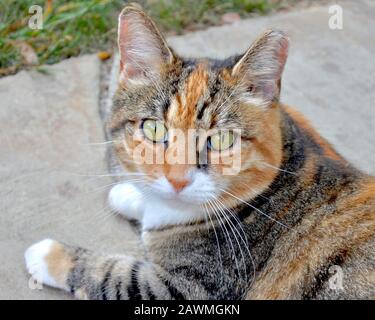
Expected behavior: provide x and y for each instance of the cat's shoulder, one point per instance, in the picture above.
(303, 123)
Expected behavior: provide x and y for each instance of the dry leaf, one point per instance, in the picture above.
(104, 55)
(27, 52)
(230, 17)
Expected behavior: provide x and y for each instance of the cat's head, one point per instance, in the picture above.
(223, 114)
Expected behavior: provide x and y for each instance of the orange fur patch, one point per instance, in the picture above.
(59, 263)
(183, 115)
(267, 148)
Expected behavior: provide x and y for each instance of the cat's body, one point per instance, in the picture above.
(297, 221)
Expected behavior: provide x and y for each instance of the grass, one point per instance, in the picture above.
(74, 27)
(180, 14)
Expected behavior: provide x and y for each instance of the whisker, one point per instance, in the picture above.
(217, 241)
(256, 193)
(233, 228)
(114, 183)
(233, 215)
(274, 167)
(222, 224)
(113, 175)
(256, 209)
(244, 234)
(98, 143)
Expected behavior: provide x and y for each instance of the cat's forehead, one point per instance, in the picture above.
(196, 94)
(193, 92)
(202, 86)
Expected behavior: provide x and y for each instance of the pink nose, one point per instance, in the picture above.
(178, 184)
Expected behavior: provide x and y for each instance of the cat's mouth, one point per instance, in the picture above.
(188, 198)
(196, 197)
(199, 189)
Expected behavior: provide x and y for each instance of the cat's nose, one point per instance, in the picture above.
(178, 184)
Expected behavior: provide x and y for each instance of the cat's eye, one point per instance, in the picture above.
(221, 141)
(154, 130)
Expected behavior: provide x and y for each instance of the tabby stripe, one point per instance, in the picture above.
(214, 89)
(175, 294)
(174, 85)
(133, 289)
(118, 290)
(77, 273)
(149, 293)
(201, 111)
(104, 283)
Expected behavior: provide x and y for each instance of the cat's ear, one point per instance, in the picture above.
(143, 50)
(260, 68)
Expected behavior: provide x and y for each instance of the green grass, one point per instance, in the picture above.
(177, 15)
(74, 27)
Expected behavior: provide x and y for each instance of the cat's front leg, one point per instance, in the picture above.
(79, 271)
(49, 262)
(95, 276)
(127, 199)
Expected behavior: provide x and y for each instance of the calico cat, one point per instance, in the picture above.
(296, 221)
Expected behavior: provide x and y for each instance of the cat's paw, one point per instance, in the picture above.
(127, 199)
(40, 259)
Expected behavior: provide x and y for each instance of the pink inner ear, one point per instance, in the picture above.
(282, 54)
(270, 88)
(142, 48)
(139, 48)
(124, 41)
(128, 67)
(128, 71)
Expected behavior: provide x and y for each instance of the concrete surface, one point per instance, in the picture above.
(47, 126)
(48, 123)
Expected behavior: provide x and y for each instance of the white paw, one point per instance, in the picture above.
(36, 264)
(126, 199)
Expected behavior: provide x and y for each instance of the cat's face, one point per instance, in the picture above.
(194, 130)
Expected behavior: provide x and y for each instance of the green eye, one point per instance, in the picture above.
(221, 141)
(154, 130)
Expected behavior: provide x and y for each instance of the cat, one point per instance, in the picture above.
(296, 221)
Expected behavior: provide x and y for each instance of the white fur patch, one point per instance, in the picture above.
(127, 200)
(255, 101)
(161, 212)
(163, 205)
(36, 264)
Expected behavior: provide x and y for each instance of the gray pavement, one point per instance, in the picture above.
(50, 124)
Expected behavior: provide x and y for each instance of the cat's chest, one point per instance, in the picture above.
(160, 212)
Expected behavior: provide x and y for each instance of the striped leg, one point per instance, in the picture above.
(90, 276)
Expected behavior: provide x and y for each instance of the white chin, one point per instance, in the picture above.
(178, 197)
(166, 210)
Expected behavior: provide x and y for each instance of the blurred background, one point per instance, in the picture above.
(71, 28)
